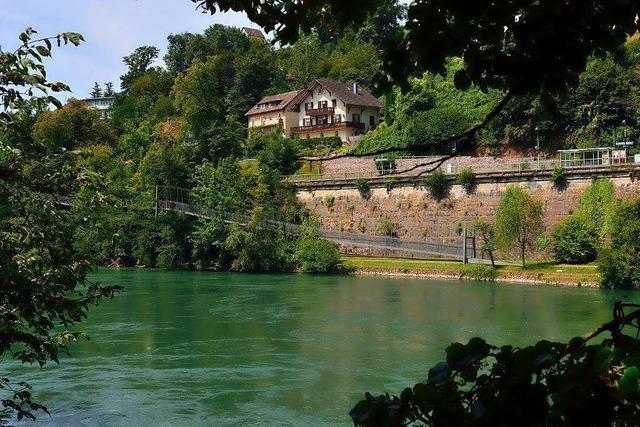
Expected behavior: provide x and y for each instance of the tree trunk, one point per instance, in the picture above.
(493, 261)
(522, 249)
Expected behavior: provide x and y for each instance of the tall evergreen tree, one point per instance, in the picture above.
(108, 89)
(96, 92)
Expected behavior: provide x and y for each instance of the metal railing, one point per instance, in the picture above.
(455, 246)
(505, 166)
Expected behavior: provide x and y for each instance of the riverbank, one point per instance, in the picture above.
(536, 272)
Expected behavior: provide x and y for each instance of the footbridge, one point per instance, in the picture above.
(458, 246)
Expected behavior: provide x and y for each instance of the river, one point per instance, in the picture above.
(183, 348)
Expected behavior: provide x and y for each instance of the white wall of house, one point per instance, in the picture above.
(271, 120)
(369, 116)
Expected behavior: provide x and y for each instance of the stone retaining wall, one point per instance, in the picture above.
(416, 215)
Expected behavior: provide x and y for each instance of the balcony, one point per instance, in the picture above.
(327, 126)
(267, 123)
(324, 111)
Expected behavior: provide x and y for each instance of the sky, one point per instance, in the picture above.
(112, 29)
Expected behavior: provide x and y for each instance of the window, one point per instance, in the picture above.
(372, 121)
(308, 106)
(356, 118)
(323, 104)
(334, 103)
(322, 120)
(337, 118)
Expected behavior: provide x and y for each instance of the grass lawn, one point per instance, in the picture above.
(544, 271)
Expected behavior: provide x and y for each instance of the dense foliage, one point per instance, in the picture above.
(44, 290)
(573, 242)
(578, 383)
(578, 238)
(619, 264)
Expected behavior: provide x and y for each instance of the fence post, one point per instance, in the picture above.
(465, 260)
(475, 255)
(156, 204)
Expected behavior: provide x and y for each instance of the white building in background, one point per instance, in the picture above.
(103, 105)
(325, 108)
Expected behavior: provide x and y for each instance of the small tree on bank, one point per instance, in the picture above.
(519, 221)
(487, 234)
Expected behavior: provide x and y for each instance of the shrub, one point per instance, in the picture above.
(364, 188)
(573, 243)
(386, 227)
(313, 254)
(484, 273)
(389, 183)
(329, 201)
(318, 256)
(619, 262)
(467, 179)
(438, 184)
(559, 178)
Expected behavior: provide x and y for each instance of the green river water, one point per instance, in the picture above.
(182, 348)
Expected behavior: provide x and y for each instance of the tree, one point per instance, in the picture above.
(519, 221)
(138, 62)
(487, 235)
(511, 46)
(73, 126)
(303, 61)
(96, 92)
(619, 261)
(590, 380)
(277, 153)
(108, 89)
(44, 290)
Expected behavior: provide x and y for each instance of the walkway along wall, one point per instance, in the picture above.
(415, 215)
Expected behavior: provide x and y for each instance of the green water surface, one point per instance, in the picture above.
(181, 348)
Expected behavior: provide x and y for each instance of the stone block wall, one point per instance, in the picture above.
(417, 216)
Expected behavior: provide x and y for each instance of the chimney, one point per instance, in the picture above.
(355, 87)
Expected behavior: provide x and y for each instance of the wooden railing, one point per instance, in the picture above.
(323, 111)
(336, 125)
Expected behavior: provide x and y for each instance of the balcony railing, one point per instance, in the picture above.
(340, 125)
(267, 123)
(324, 111)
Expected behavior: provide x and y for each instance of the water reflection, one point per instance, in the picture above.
(225, 349)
